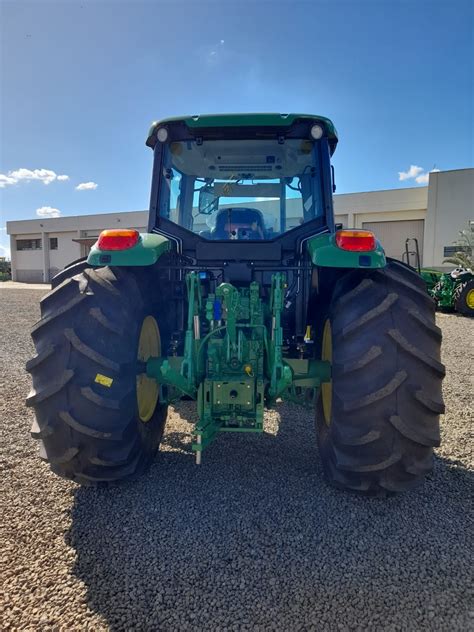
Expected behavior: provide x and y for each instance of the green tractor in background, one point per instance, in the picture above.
(452, 291)
(242, 293)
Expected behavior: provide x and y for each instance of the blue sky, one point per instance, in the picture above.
(82, 80)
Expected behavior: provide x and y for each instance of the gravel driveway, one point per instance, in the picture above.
(252, 539)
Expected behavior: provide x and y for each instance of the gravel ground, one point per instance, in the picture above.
(253, 539)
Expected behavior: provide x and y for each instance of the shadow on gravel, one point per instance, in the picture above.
(255, 539)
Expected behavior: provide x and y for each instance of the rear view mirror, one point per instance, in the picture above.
(208, 203)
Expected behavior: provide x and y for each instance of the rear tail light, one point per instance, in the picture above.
(356, 240)
(118, 239)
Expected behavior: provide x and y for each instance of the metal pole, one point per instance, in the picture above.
(198, 452)
(197, 328)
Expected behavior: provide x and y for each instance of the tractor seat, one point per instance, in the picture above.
(238, 223)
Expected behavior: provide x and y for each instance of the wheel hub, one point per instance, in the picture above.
(149, 345)
(470, 299)
(326, 387)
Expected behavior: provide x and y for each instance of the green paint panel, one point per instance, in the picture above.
(148, 250)
(325, 253)
(443, 291)
(430, 277)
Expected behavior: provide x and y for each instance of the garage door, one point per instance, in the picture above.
(393, 236)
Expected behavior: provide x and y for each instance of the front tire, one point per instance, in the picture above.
(378, 419)
(85, 392)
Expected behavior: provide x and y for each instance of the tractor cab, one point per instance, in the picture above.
(252, 177)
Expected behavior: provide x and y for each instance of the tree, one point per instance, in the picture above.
(462, 258)
(5, 270)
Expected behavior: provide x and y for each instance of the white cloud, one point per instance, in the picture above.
(424, 178)
(6, 180)
(87, 186)
(46, 176)
(48, 211)
(412, 172)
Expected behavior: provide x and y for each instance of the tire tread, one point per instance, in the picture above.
(387, 379)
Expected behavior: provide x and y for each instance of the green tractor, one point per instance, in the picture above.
(242, 293)
(453, 291)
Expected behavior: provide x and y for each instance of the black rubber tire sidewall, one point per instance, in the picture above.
(385, 446)
(102, 326)
(460, 298)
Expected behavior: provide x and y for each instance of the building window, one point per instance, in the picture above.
(28, 244)
(449, 251)
(53, 243)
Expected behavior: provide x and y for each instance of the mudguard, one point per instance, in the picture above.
(325, 253)
(146, 252)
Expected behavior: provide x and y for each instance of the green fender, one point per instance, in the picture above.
(325, 253)
(146, 252)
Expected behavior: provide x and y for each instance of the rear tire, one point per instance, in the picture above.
(75, 267)
(386, 382)
(85, 377)
(464, 298)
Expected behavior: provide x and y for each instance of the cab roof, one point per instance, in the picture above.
(268, 119)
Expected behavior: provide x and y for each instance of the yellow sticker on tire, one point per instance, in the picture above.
(104, 380)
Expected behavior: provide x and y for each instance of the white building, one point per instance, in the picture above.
(433, 215)
(40, 248)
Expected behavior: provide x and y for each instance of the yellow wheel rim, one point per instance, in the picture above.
(149, 345)
(326, 387)
(470, 299)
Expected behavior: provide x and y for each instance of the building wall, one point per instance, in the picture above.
(392, 215)
(389, 205)
(39, 266)
(450, 209)
(68, 250)
(27, 265)
(342, 218)
(394, 234)
(444, 208)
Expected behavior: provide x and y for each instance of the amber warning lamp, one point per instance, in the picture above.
(356, 240)
(118, 239)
